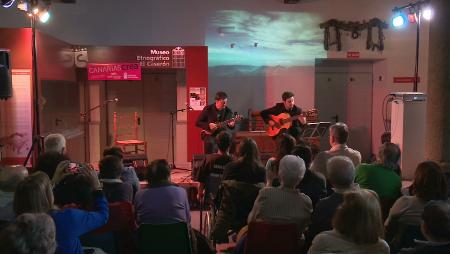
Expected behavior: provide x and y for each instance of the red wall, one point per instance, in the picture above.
(19, 42)
(196, 76)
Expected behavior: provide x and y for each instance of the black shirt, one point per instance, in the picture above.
(242, 172)
(213, 164)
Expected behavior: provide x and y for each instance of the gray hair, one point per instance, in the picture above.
(341, 171)
(11, 176)
(30, 233)
(55, 143)
(291, 170)
(389, 155)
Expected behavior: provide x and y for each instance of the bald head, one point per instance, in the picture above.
(11, 176)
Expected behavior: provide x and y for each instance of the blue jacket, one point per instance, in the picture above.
(71, 223)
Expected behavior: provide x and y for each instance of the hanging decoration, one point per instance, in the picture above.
(355, 28)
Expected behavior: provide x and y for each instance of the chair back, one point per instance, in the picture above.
(164, 238)
(266, 237)
(212, 185)
(118, 231)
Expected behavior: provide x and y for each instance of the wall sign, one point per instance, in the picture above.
(406, 79)
(114, 71)
(163, 57)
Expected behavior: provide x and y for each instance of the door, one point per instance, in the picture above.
(153, 98)
(60, 104)
(347, 97)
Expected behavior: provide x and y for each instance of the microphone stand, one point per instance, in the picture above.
(86, 117)
(172, 120)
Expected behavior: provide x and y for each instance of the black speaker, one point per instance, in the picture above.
(5, 76)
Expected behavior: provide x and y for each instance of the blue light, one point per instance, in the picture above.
(399, 20)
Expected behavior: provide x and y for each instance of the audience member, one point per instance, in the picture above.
(357, 227)
(429, 184)
(313, 184)
(34, 195)
(247, 168)
(162, 202)
(380, 176)
(115, 190)
(10, 177)
(341, 173)
(54, 153)
(285, 144)
(74, 194)
(128, 174)
(214, 165)
(338, 140)
(285, 203)
(29, 234)
(436, 229)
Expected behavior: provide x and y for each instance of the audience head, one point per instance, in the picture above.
(291, 171)
(248, 151)
(341, 172)
(55, 143)
(30, 233)
(114, 151)
(338, 133)
(224, 141)
(429, 182)
(303, 151)
(158, 172)
(33, 195)
(111, 167)
(11, 176)
(359, 217)
(74, 189)
(436, 221)
(389, 155)
(285, 145)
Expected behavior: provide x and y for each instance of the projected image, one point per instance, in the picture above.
(264, 39)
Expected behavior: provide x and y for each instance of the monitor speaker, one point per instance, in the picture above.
(5, 75)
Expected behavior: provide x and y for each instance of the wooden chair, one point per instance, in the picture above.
(126, 138)
(164, 238)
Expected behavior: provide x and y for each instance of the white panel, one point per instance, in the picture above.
(408, 131)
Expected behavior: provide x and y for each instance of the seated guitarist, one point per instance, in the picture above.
(210, 116)
(288, 107)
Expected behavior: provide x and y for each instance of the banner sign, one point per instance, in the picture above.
(114, 71)
(353, 54)
(163, 57)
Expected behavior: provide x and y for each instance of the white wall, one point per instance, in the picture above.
(162, 22)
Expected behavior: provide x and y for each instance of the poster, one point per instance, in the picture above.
(16, 117)
(197, 97)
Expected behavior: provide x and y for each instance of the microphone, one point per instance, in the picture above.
(112, 100)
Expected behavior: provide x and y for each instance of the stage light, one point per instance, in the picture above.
(35, 10)
(7, 3)
(23, 6)
(412, 18)
(399, 20)
(427, 13)
(44, 16)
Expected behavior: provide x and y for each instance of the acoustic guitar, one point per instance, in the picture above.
(284, 121)
(220, 125)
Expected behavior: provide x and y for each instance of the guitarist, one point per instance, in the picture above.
(212, 114)
(287, 106)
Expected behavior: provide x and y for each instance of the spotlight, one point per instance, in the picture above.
(399, 20)
(44, 16)
(412, 18)
(35, 10)
(427, 13)
(23, 6)
(7, 3)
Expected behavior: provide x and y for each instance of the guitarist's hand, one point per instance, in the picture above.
(212, 126)
(231, 123)
(302, 119)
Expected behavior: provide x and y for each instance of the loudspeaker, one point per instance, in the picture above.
(5, 75)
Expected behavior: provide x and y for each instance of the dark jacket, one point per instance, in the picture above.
(210, 115)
